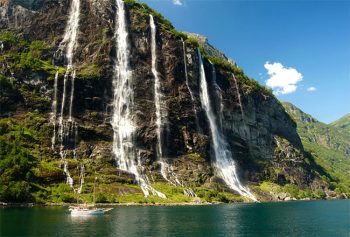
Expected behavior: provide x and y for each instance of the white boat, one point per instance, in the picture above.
(88, 210)
(84, 211)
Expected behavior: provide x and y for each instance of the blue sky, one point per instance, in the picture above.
(305, 42)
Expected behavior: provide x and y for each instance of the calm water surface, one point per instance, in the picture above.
(310, 219)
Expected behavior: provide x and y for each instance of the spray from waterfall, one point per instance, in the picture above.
(124, 150)
(224, 166)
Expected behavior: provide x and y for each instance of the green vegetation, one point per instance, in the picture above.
(290, 190)
(16, 162)
(193, 42)
(250, 84)
(195, 156)
(327, 144)
(343, 123)
(19, 156)
(144, 11)
(6, 84)
(89, 71)
(25, 56)
(210, 195)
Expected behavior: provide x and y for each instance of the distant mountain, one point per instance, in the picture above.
(343, 123)
(329, 144)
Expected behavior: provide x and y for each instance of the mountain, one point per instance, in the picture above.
(109, 90)
(343, 123)
(329, 144)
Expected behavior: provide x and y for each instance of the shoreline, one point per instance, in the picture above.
(106, 204)
(3, 205)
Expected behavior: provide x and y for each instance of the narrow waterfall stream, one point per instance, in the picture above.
(224, 165)
(239, 95)
(161, 113)
(123, 126)
(188, 86)
(218, 94)
(66, 128)
(54, 111)
(158, 100)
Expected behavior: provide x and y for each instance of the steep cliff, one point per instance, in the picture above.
(53, 144)
(329, 144)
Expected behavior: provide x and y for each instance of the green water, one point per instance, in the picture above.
(312, 218)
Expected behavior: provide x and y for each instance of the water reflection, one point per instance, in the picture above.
(320, 218)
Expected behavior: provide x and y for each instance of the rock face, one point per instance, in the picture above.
(260, 133)
(329, 143)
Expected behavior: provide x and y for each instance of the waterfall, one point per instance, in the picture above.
(158, 96)
(66, 128)
(224, 166)
(75, 133)
(158, 100)
(174, 180)
(69, 41)
(188, 86)
(54, 111)
(186, 73)
(71, 97)
(218, 94)
(122, 120)
(81, 178)
(161, 112)
(239, 96)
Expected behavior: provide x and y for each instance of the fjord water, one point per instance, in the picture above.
(309, 218)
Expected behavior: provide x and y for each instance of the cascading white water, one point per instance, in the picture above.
(69, 41)
(158, 96)
(67, 45)
(158, 100)
(123, 96)
(71, 97)
(218, 93)
(239, 95)
(81, 178)
(173, 179)
(54, 111)
(224, 166)
(75, 132)
(122, 121)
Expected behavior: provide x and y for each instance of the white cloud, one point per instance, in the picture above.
(311, 89)
(282, 80)
(177, 2)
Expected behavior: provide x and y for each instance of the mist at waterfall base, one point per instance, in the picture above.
(304, 218)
